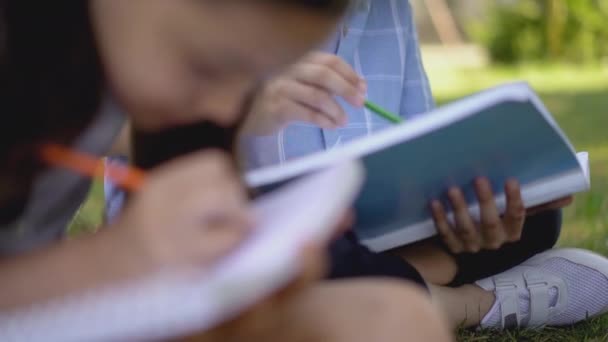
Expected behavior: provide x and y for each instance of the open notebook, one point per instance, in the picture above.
(173, 305)
(501, 133)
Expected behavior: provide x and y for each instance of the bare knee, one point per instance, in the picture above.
(407, 310)
(383, 310)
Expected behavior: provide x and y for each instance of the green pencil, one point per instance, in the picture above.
(383, 112)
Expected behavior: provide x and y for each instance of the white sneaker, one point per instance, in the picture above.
(555, 288)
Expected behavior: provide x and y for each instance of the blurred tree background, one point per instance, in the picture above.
(519, 31)
(572, 31)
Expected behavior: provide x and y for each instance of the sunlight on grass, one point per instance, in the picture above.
(451, 83)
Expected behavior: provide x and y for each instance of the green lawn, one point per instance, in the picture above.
(578, 98)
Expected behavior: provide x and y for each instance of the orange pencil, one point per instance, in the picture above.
(128, 178)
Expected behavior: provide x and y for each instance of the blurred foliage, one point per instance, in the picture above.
(537, 30)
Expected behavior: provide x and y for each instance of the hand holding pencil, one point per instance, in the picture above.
(308, 92)
(188, 212)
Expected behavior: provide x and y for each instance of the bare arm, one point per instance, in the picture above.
(171, 222)
(68, 267)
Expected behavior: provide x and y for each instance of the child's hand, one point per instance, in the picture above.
(306, 92)
(557, 204)
(492, 231)
(190, 212)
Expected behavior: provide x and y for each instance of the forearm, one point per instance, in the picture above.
(69, 267)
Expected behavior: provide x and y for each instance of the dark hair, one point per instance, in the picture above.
(51, 78)
(50, 68)
(331, 7)
(50, 82)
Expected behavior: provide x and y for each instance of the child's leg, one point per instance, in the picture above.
(365, 310)
(359, 311)
(438, 266)
(557, 287)
(349, 311)
(464, 306)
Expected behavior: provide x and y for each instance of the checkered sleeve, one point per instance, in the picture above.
(417, 97)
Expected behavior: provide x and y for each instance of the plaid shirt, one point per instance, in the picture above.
(380, 40)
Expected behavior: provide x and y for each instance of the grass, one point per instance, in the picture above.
(589, 331)
(90, 215)
(578, 98)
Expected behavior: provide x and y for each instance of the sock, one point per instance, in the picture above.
(492, 318)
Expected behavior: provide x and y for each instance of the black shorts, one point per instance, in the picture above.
(350, 259)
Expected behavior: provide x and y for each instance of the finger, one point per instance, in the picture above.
(515, 214)
(345, 225)
(562, 203)
(209, 161)
(227, 218)
(330, 81)
(204, 187)
(466, 229)
(218, 242)
(196, 170)
(301, 112)
(198, 185)
(492, 230)
(338, 65)
(316, 104)
(444, 229)
(558, 204)
(215, 199)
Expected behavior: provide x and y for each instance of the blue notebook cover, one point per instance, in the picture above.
(501, 133)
